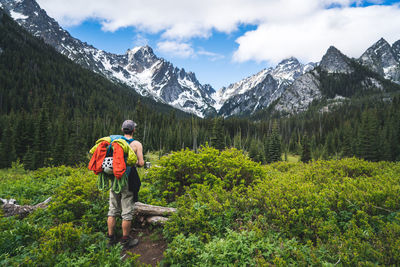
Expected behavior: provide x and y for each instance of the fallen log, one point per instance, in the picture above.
(11, 208)
(150, 210)
(156, 220)
(152, 214)
(145, 213)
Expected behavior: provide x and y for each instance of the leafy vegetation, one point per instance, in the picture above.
(324, 212)
(230, 211)
(70, 232)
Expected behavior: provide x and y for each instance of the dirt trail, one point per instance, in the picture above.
(151, 245)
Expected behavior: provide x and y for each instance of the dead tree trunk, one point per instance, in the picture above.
(11, 208)
(145, 213)
(152, 214)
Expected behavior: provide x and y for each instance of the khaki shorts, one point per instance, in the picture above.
(122, 204)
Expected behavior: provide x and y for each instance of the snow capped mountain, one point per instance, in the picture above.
(290, 86)
(139, 68)
(260, 90)
(308, 87)
(383, 59)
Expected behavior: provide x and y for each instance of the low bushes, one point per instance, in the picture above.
(343, 211)
(230, 211)
(70, 232)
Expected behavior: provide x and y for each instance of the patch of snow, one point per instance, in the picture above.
(375, 83)
(389, 70)
(187, 83)
(187, 96)
(145, 77)
(135, 49)
(17, 15)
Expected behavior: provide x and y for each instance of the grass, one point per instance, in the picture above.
(291, 157)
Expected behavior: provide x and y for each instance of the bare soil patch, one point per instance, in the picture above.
(151, 245)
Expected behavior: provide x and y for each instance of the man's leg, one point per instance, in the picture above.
(126, 227)
(113, 211)
(111, 221)
(128, 207)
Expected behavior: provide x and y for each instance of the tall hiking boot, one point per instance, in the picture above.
(112, 240)
(127, 242)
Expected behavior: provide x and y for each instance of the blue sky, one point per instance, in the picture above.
(224, 41)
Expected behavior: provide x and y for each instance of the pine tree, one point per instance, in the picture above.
(60, 152)
(237, 140)
(29, 159)
(267, 147)
(305, 153)
(255, 151)
(347, 140)
(42, 142)
(368, 136)
(275, 150)
(195, 133)
(7, 148)
(21, 136)
(218, 139)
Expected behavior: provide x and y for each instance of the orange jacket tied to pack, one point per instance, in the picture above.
(119, 165)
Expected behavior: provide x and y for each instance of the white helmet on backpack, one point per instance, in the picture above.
(107, 165)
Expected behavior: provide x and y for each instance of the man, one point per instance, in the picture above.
(123, 204)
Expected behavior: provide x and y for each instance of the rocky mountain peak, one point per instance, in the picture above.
(379, 50)
(335, 61)
(291, 61)
(141, 57)
(381, 43)
(383, 59)
(209, 89)
(141, 51)
(260, 90)
(139, 67)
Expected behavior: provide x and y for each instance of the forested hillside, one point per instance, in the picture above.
(52, 111)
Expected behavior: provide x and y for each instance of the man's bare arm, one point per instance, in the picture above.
(138, 148)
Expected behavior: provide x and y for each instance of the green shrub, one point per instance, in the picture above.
(230, 211)
(16, 234)
(209, 166)
(70, 232)
(246, 248)
(345, 207)
(30, 188)
(79, 201)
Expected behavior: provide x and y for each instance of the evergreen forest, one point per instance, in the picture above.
(52, 111)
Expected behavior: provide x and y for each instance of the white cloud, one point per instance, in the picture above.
(175, 49)
(180, 18)
(140, 40)
(211, 55)
(304, 29)
(351, 30)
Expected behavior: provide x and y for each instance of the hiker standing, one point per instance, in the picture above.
(123, 203)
